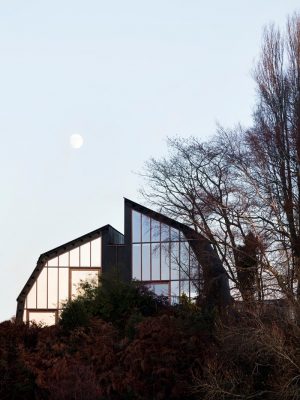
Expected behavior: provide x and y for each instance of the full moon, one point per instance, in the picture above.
(76, 141)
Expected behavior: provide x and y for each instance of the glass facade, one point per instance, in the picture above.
(154, 251)
(162, 257)
(59, 281)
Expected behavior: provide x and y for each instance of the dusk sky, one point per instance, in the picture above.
(124, 75)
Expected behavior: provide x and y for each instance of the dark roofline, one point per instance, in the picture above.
(216, 286)
(162, 218)
(80, 240)
(57, 251)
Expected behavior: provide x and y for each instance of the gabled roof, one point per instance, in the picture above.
(201, 246)
(162, 218)
(48, 255)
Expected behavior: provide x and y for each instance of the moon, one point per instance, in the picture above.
(76, 141)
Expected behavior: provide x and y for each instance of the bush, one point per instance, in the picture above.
(75, 314)
(113, 301)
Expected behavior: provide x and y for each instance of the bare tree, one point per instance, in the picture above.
(273, 152)
(200, 186)
(246, 180)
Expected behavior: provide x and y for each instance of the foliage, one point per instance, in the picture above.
(113, 300)
(256, 358)
(172, 355)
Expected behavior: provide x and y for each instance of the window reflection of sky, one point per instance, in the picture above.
(161, 253)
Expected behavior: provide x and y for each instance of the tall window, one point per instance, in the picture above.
(60, 280)
(162, 257)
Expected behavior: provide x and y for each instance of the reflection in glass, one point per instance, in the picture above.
(136, 262)
(175, 289)
(165, 261)
(184, 260)
(194, 266)
(185, 288)
(175, 260)
(174, 235)
(145, 228)
(182, 236)
(194, 290)
(42, 289)
(159, 288)
(165, 233)
(155, 259)
(136, 226)
(155, 231)
(146, 262)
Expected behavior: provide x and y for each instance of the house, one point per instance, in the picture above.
(167, 256)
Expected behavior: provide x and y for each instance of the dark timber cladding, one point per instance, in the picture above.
(216, 286)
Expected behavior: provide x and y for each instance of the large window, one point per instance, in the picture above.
(162, 257)
(60, 280)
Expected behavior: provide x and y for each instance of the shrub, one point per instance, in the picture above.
(113, 301)
(75, 313)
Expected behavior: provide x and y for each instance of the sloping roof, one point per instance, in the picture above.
(162, 218)
(44, 257)
(214, 274)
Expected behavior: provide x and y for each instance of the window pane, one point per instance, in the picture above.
(63, 285)
(174, 291)
(52, 287)
(96, 252)
(175, 260)
(53, 262)
(79, 277)
(159, 288)
(155, 230)
(136, 226)
(174, 235)
(165, 261)
(46, 318)
(194, 291)
(185, 288)
(155, 261)
(42, 289)
(31, 297)
(74, 257)
(136, 262)
(184, 260)
(145, 228)
(146, 262)
(165, 233)
(64, 260)
(85, 256)
(182, 237)
(194, 266)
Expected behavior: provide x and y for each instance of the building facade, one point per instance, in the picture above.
(167, 256)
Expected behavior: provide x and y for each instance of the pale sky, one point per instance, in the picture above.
(124, 75)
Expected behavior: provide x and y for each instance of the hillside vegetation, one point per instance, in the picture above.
(122, 342)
